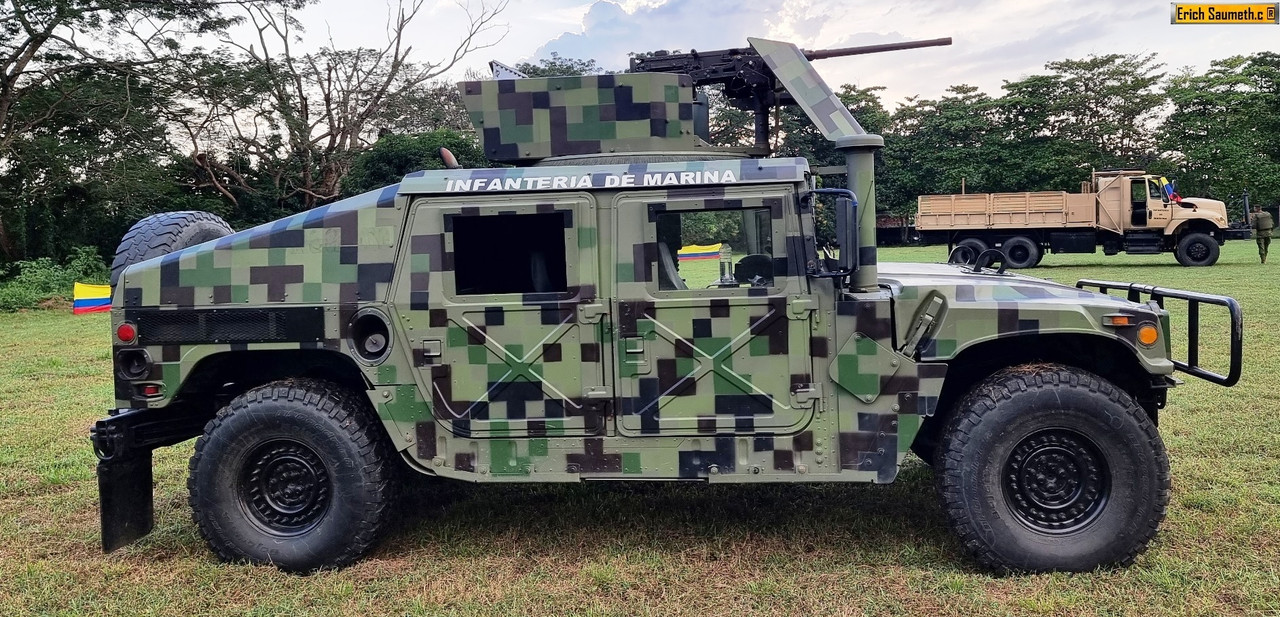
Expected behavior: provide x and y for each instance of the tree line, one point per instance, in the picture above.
(111, 110)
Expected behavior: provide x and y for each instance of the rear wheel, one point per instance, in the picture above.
(967, 250)
(1049, 467)
(294, 473)
(1020, 252)
(1197, 249)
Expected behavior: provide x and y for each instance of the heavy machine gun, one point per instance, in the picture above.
(746, 78)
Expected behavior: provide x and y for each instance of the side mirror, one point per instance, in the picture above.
(846, 233)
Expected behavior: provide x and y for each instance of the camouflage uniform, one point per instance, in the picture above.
(1262, 224)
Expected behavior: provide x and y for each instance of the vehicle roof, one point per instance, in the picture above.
(664, 175)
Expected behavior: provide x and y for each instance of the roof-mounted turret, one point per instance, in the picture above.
(657, 108)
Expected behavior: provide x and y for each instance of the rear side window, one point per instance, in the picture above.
(509, 254)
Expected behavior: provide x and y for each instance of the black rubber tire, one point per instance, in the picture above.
(1015, 408)
(1020, 252)
(314, 421)
(974, 246)
(977, 245)
(164, 233)
(1197, 249)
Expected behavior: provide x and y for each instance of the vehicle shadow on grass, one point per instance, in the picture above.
(899, 523)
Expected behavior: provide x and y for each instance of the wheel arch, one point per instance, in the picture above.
(1106, 357)
(1177, 229)
(220, 377)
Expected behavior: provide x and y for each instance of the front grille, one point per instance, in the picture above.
(191, 326)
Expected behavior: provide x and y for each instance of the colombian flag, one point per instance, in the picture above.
(697, 251)
(91, 299)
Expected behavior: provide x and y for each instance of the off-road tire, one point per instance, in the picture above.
(296, 473)
(1197, 249)
(1020, 252)
(1030, 433)
(164, 233)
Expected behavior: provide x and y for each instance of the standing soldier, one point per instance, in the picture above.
(1262, 224)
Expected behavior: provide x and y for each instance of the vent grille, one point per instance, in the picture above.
(191, 326)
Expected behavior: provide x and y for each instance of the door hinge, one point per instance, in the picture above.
(799, 307)
(805, 395)
(591, 312)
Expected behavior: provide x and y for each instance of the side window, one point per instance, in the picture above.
(509, 253)
(699, 249)
(1138, 191)
(1153, 190)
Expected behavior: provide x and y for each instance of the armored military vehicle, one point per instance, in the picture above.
(534, 323)
(1121, 210)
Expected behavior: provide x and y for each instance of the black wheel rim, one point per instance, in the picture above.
(285, 487)
(1197, 251)
(1019, 254)
(1056, 481)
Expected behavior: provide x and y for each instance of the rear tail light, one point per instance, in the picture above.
(126, 332)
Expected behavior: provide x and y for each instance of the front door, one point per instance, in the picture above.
(713, 314)
(503, 315)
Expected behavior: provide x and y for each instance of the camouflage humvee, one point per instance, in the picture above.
(535, 323)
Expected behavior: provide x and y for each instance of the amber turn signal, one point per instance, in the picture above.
(1117, 320)
(1148, 334)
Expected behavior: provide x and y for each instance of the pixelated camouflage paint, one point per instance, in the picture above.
(613, 377)
(522, 120)
(809, 90)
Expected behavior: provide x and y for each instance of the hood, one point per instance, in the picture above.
(904, 278)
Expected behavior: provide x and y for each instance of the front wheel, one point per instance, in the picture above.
(295, 474)
(1197, 249)
(1049, 467)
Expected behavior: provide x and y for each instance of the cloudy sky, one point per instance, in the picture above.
(995, 40)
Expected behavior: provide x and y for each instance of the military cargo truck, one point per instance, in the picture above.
(1124, 210)
(529, 324)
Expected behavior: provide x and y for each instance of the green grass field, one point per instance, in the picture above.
(652, 549)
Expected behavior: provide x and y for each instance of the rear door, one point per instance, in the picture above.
(502, 314)
(706, 348)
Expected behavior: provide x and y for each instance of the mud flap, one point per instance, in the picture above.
(123, 443)
(124, 492)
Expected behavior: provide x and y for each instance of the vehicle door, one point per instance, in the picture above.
(714, 338)
(500, 308)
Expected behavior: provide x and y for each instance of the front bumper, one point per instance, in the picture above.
(123, 443)
(1191, 365)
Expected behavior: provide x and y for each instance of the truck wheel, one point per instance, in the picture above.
(164, 233)
(1049, 467)
(974, 248)
(1020, 252)
(1197, 249)
(295, 473)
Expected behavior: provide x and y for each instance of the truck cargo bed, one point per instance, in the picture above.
(1006, 210)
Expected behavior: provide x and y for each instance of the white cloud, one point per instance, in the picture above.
(995, 40)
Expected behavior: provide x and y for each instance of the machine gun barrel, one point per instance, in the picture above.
(822, 54)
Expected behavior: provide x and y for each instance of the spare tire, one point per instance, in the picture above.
(164, 233)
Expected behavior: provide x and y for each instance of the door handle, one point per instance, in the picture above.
(635, 359)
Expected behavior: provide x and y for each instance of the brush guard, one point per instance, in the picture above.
(1191, 366)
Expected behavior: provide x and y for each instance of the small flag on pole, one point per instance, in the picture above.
(91, 298)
